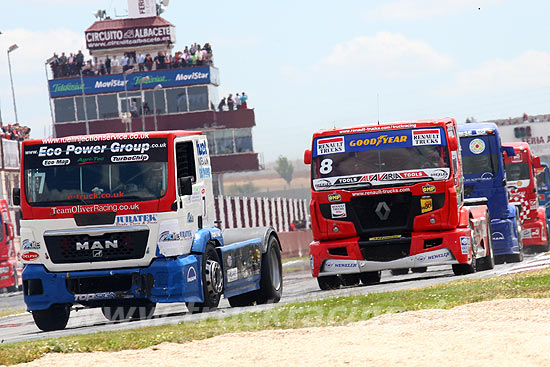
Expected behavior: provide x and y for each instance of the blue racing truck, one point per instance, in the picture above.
(485, 176)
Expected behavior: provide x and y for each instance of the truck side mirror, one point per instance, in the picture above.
(185, 185)
(16, 196)
(453, 143)
(307, 156)
(536, 162)
(509, 151)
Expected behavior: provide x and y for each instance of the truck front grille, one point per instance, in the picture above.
(66, 249)
(377, 212)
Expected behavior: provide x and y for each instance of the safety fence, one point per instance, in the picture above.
(243, 212)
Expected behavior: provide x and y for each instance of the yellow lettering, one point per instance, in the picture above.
(352, 143)
(403, 139)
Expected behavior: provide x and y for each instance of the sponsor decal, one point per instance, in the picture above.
(191, 274)
(426, 204)
(420, 258)
(519, 184)
(426, 137)
(204, 172)
(526, 233)
(175, 236)
(131, 220)
(334, 197)
(202, 148)
(487, 176)
(30, 245)
(311, 261)
(129, 158)
(190, 218)
(93, 208)
(331, 145)
(96, 245)
(115, 147)
(382, 139)
(97, 253)
(438, 256)
(30, 256)
(428, 188)
(345, 265)
(94, 296)
(498, 236)
(56, 162)
(125, 37)
(440, 174)
(465, 243)
(338, 210)
(382, 210)
(381, 238)
(477, 146)
(232, 275)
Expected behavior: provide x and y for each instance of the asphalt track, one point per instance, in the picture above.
(298, 286)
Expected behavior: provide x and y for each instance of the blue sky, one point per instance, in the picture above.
(309, 65)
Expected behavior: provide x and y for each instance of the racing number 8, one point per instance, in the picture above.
(326, 166)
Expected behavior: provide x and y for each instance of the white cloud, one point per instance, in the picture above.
(389, 55)
(527, 71)
(423, 9)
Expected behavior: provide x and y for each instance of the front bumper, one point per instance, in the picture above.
(505, 238)
(454, 248)
(534, 233)
(165, 280)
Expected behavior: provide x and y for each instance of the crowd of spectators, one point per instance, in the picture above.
(15, 132)
(237, 102)
(523, 119)
(194, 55)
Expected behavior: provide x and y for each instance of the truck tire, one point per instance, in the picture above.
(350, 280)
(328, 282)
(399, 271)
(488, 262)
(421, 269)
(370, 277)
(212, 282)
(15, 286)
(53, 318)
(129, 311)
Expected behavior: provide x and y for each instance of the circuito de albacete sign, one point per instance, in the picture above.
(137, 36)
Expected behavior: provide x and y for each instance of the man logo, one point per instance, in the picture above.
(98, 253)
(383, 210)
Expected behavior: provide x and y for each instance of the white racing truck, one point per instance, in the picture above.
(125, 221)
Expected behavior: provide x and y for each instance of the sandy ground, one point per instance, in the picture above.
(504, 333)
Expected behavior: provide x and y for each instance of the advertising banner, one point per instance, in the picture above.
(115, 83)
(10, 150)
(138, 36)
(141, 8)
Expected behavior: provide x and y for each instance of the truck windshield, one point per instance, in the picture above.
(388, 158)
(480, 164)
(517, 171)
(92, 173)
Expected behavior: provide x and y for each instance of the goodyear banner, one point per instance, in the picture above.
(379, 140)
(115, 82)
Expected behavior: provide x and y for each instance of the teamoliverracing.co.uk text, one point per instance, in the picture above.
(76, 209)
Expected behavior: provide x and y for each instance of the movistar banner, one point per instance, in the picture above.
(379, 140)
(115, 82)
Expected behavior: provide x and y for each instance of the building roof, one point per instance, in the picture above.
(103, 25)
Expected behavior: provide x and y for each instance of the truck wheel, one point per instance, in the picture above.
(350, 279)
(421, 269)
(243, 300)
(15, 286)
(134, 311)
(271, 283)
(53, 318)
(488, 262)
(517, 258)
(399, 271)
(370, 277)
(212, 282)
(328, 282)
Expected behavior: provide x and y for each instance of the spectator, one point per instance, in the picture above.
(108, 65)
(244, 100)
(149, 62)
(238, 101)
(115, 64)
(145, 110)
(230, 102)
(221, 105)
(79, 60)
(124, 61)
(141, 62)
(134, 109)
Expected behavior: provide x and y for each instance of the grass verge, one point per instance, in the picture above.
(333, 311)
(9, 312)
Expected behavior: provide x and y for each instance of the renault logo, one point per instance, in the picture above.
(383, 210)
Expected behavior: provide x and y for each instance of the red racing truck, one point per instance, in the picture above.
(9, 277)
(522, 186)
(391, 197)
